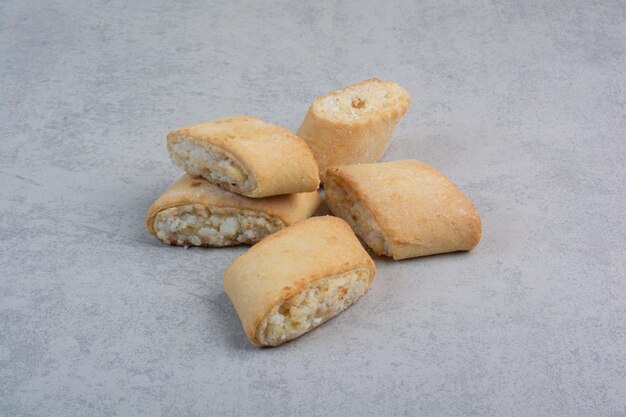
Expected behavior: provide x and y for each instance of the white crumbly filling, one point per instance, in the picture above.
(209, 162)
(359, 101)
(321, 301)
(349, 208)
(196, 225)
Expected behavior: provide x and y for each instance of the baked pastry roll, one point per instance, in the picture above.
(354, 124)
(298, 278)
(403, 209)
(245, 155)
(195, 212)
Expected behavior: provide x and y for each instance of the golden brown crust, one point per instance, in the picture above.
(341, 139)
(289, 208)
(418, 209)
(286, 262)
(276, 160)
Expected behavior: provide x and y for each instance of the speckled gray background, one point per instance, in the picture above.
(521, 103)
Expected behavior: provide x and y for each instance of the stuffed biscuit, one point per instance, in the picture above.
(403, 209)
(245, 155)
(298, 278)
(195, 212)
(354, 125)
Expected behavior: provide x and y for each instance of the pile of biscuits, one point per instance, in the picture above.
(252, 182)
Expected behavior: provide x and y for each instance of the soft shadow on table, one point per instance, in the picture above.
(420, 259)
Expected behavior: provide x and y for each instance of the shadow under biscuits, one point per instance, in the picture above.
(323, 210)
(423, 258)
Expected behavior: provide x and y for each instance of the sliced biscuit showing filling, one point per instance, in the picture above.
(366, 101)
(298, 278)
(211, 162)
(198, 225)
(196, 212)
(346, 204)
(403, 209)
(245, 155)
(319, 302)
(355, 124)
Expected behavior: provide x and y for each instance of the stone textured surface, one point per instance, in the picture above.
(521, 103)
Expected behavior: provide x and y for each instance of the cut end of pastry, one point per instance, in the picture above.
(196, 225)
(210, 162)
(365, 100)
(245, 155)
(298, 278)
(314, 305)
(346, 205)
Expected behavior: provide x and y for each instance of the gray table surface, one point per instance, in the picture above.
(521, 103)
